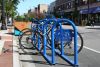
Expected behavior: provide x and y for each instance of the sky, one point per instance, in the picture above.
(25, 5)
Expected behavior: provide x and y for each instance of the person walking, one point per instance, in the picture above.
(92, 22)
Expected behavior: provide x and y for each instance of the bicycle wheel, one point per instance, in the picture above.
(22, 31)
(49, 41)
(69, 46)
(25, 40)
(37, 41)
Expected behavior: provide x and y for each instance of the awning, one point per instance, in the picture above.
(97, 10)
(90, 10)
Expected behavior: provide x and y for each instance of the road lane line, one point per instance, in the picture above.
(91, 49)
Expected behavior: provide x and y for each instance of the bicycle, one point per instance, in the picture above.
(57, 44)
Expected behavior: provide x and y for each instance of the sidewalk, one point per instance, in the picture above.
(6, 57)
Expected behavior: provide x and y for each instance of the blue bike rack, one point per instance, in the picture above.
(42, 27)
(51, 59)
(61, 53)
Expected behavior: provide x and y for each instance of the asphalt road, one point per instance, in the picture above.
(89, 57)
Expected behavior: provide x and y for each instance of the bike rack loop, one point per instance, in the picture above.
(38, 26)
(75, 62)
(42, 22)
(50, 60)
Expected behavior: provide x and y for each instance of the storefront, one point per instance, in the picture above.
(91, 13)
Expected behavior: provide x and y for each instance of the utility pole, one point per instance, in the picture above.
(88, 11)
(75, 13)
(3, 26)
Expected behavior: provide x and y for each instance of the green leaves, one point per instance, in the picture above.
(10, 7)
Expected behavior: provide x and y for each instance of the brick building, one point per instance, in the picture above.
(86, 9)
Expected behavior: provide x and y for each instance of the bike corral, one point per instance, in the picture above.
(49, 34)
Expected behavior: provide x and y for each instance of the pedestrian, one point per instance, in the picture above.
(85, 21)
(92, 21)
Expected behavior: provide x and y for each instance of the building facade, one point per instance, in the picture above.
(38, 11)
(42, 8)
(64, 5)
(86, 9)
(51, 7)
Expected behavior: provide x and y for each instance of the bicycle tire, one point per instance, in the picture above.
(33, 45)
(58, 47)
(23, 47)
(82, 42)
(41, 40)
(26, 29)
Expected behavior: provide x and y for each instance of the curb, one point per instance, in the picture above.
(16, 61)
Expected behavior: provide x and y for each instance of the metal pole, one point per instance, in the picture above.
(88, 12)
(3, 27)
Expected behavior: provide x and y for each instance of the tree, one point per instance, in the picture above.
(10, 7)
(31, 15)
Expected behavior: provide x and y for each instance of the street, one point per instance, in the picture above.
(89, 56)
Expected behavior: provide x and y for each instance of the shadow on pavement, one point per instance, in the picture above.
(31, 53)
(43, 62)
(39, 62)
(36, 53)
